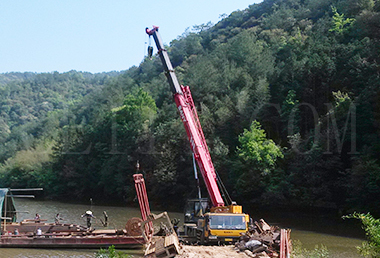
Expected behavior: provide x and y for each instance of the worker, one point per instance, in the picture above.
(37, 218)
(57, 218)
(105, 223)
(89, 217)
(175, 223)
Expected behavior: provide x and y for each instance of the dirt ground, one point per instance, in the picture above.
(210, 251)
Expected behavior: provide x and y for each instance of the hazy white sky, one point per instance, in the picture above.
(94, 35)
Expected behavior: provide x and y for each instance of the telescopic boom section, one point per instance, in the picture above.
(189, 116)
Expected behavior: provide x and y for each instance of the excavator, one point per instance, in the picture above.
(224, 221)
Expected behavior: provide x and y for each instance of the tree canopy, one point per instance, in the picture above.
(288, 95)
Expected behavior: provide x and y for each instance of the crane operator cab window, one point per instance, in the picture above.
(195, 208)
(227, 222)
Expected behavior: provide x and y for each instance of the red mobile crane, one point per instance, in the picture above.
(223, 223)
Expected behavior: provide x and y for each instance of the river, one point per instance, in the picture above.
(323, 232)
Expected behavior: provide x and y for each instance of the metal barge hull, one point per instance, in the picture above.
(71, 241)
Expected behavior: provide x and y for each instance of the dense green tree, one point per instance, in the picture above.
(257, 150)
(258, 159)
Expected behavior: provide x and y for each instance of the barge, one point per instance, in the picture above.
(39, 234)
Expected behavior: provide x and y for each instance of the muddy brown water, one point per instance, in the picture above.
(338, 246)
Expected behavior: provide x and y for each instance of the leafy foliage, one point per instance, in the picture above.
(371, 248)
(257, 150)
(340, 24)
(111, 252)
(300, 252)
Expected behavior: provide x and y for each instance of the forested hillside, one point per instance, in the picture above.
(288, 95)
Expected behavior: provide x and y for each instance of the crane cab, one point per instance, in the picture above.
(195, 209)
(222, 227)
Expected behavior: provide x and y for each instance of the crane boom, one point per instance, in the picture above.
(188, 113)
(221, 224)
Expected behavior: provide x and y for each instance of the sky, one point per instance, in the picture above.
(93, 35)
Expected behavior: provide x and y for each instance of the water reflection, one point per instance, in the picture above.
(339, 247)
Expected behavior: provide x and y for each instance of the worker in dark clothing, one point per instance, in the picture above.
(37, 218)
(57, 218)
(89, 217)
